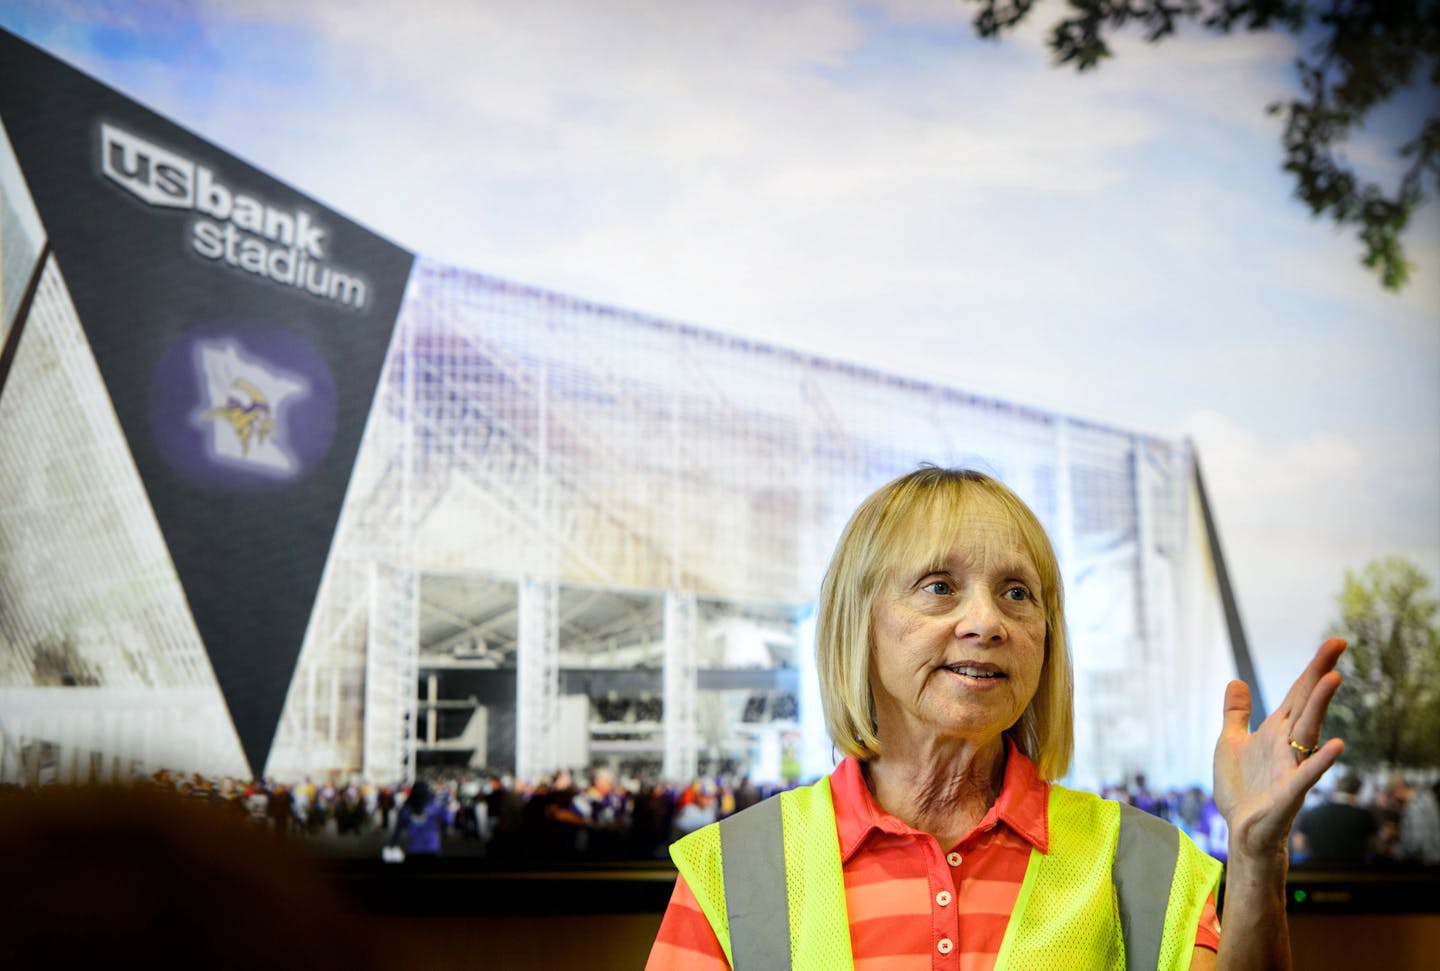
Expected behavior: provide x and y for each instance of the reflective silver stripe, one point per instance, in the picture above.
(757, 901)
(1144, 868)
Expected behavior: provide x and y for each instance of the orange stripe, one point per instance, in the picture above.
(688, 930)
(685, 938)
(989, 896)
(975, 961)
(885, 860)
(893, 962)
(983, 933)
(890, 936)
(668, 957)
(890, 898)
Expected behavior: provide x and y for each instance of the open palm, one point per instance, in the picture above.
(1260, 778)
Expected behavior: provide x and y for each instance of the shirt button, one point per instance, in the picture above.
(953, 859)
(945, 945)
(943, 898)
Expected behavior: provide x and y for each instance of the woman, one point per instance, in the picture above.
(939, 841)
(419, 823)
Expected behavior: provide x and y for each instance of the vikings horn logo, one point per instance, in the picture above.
(244, 396)
(247, 418)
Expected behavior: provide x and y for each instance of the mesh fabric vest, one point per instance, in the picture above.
(788, 889)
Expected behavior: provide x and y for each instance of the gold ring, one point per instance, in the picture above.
(1304, 752)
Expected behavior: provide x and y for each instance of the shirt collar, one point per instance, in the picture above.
(1023, 805)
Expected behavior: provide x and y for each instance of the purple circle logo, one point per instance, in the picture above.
(242, 405)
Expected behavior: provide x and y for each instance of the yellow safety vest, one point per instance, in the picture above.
(771, 876)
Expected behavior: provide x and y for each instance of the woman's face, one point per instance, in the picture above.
(958, 645)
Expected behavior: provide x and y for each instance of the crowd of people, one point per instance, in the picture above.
(561, 817)
(1385, 819)
(600, 816)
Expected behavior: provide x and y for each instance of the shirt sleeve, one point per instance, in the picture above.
(1207, 935)
(686, 941)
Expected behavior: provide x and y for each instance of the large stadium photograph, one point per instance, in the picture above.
(458, 482)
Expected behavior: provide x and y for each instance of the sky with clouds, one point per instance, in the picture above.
(870, 182)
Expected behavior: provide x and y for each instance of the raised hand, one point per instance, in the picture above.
(1261, 777)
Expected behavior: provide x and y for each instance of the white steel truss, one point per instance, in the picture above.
(546, 443)
(537, 680)
(681, 741)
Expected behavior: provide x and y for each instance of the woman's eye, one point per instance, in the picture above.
(939, 587)
(1017, 593)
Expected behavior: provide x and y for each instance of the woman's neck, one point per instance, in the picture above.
(938, 788)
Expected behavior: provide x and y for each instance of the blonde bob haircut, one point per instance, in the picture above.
(913, 519)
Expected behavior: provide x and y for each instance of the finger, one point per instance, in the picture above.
(1237, 709)
(1321, 663)
(1308, 772)
(1305, 730)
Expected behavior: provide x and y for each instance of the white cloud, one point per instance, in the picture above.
(1295, 514)
(1254, 469)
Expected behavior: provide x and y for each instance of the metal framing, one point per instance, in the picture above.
(681, 743)
(544, 441)
(538, 680)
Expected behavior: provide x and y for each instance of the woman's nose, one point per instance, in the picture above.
(980, 617)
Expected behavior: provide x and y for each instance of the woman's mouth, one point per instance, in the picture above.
(984, 672)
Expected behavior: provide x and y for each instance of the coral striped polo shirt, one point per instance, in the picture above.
(912, 905)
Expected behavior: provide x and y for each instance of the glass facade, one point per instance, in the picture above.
(667, 494)
(573, 535)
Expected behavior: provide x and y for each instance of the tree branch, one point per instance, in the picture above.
(1369, 52)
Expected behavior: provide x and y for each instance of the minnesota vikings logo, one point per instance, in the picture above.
(248, 416)
(243, 400)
